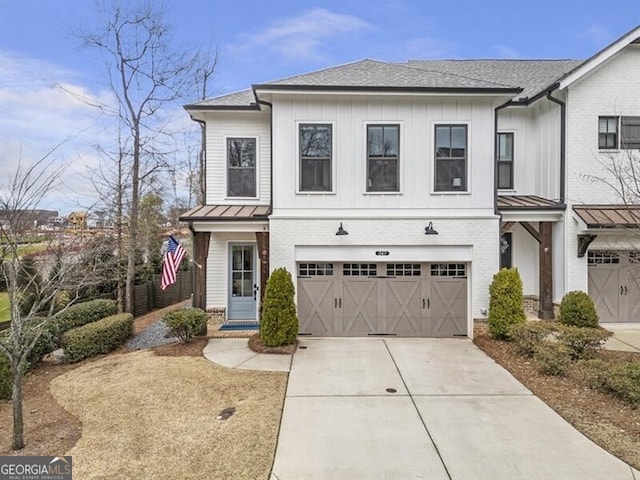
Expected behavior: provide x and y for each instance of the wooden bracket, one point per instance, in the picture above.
(506, 227)
(583, 243)
(534, 233)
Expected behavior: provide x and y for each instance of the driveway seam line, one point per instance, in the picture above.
(444, 465)
(627, 344)
(242, 363)
(284, 401)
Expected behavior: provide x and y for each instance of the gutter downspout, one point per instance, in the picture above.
(495, 151)
(563, 148)
(270, 105)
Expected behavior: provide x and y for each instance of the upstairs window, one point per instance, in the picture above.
(607, 132)
(315, 157)
(241, 167)
(505, 160)
(451, 158)
(630, 132)
(383, 154)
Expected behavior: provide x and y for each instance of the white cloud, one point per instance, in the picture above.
(304, 37)
(505, 51)
(598, 35)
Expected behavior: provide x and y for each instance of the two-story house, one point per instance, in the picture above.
(393, 192)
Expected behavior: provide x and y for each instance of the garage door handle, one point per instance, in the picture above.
(621, 290)
(340, 302)
(335, 303)
(428, 303)
(625, 289)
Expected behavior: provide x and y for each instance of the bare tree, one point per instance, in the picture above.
(147, 76)
(31, 299)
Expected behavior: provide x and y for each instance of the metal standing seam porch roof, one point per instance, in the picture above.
(223, 213)
(527, 202)
(609, 216)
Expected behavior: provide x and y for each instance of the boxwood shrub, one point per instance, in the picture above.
(506, 303)
(186, 323)
(80, 314)
(279, 322)
(97, 337)
(577, 308)
(582, 342)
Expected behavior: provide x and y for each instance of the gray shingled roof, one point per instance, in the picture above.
(531, 75)
(244, 98)
(372, 73)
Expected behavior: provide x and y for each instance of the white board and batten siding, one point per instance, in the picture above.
(417, 117)
(250, 124)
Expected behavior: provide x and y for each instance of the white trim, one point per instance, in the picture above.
(532, 216)
(231, 227)
(401, 144)
(432, 157)
(385, 214)
(599, 58)
(256, 168)
(334, 150)
(397, 253)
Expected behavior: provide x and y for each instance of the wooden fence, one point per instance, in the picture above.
(149, 296)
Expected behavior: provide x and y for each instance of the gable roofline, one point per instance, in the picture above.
(383, 89)
(632, 36)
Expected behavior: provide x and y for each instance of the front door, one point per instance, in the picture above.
(243, 285)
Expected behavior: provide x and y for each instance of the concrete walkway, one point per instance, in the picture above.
(625, 338)
(436, 409)
(235, 353)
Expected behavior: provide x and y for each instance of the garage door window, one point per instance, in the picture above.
(315, 269)
(359, 270)
(403, 269)
(602, 258)
(448, 270)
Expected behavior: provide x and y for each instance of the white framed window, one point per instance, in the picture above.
(315, 166)
(618, 132)
(241, 167)
(451, 157)
(383, 157)
(505, 160)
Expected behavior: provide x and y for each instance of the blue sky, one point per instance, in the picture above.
(259, 41)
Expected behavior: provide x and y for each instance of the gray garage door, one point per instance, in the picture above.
(614, 284)
(403, 299)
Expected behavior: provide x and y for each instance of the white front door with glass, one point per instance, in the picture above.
(243, 284)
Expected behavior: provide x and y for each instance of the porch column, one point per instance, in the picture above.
(546, 272)
(545, 276)
(263, 253)
(200, 252)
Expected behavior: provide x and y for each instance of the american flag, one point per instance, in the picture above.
(172, 258)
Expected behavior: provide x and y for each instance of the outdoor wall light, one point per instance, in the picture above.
(341, 231)
(429, 230)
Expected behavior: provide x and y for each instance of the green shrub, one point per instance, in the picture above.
(582, 342)
(97, 337)
(595, 373)
(506, 305)
(279, 322)
(624, 381)
(577, 309)
(46, 342)
(529, 335)
(552, 358)
(80, 314)
(186, 323)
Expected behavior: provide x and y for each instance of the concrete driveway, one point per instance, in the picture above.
(423, 409)
(626, 336)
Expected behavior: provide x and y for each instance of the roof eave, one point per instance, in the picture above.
(384, 89)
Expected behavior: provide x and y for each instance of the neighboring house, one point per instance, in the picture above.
(393, 192)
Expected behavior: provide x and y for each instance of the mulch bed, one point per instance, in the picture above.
(256, 345)
(605, 419)
(192, 349)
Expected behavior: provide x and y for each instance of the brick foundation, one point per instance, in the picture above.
(217, 315)
(532, 304)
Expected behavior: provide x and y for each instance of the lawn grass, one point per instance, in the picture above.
(4, 307)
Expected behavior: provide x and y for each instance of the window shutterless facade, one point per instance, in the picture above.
(241, 167)
(316, 147)
(383, 157)
(505, 160)
(451, 158)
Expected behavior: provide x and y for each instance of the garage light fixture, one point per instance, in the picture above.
(429, 230)
(341, 231)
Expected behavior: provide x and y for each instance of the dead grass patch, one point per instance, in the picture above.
(605, 419)
(150, 416)
(256, 345)
(192, 349)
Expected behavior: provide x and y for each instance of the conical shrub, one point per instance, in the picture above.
(279, 322)
(506, 302)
